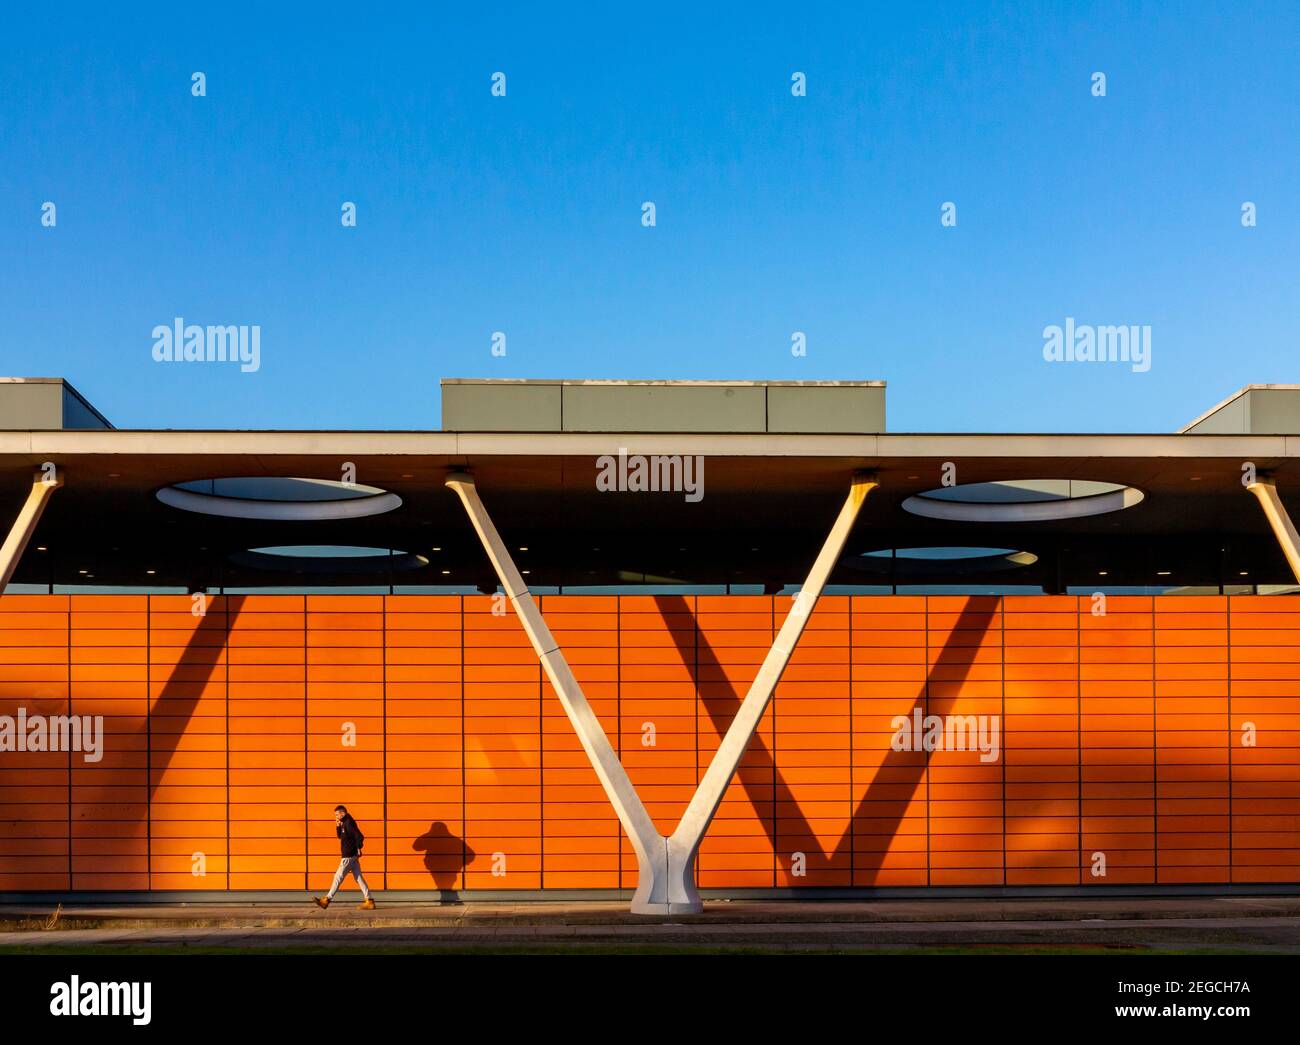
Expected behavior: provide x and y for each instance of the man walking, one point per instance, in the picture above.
(350, 842)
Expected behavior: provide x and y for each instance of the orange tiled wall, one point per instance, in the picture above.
(1157, 736)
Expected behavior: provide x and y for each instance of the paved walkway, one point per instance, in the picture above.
(1265, 924)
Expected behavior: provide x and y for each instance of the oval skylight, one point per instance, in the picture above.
(279, 488)
(1023, 500)
(935, 554)
(938, 561)
(286, 498)
(319, 551)
(328, 558)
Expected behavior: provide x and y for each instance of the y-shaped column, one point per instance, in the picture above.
(666, 866)
(1265, 490)
(44, 484)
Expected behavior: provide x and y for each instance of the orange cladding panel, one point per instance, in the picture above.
(1049, 741)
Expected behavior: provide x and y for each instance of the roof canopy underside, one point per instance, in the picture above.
(765, 505)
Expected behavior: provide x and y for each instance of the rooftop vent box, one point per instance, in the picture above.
(45, 403)
(1254, 410)
(811, 407)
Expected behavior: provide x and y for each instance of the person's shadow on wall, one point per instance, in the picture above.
(445, 857)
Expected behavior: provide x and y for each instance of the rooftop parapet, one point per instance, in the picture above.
(813, 407)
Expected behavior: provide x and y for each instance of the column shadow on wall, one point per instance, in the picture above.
(445, 854)
(899, 769)
(904, 769)
(179, 696)
(182, 691)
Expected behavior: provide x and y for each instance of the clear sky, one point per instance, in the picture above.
(774, 213)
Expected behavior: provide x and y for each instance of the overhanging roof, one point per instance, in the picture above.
(768, 498)
(768, 495)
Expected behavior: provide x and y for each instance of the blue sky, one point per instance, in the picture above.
(774, 213)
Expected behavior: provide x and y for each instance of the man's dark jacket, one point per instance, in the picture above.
(350, 837)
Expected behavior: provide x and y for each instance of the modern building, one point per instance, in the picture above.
(598, 637)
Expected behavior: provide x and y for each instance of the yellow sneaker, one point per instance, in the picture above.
(367, 905)
(321, 901)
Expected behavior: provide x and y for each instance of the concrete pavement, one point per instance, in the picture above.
(1255, 923)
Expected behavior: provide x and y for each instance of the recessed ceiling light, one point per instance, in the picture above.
(1196, 478)
(1101, 573)
(435, 549)
(1162, 573)
(445, 572)
(408, 475)
(523, 549)
(525, 571)
(1244, 573)
(42, 548)
(151, 571)
(81, 571)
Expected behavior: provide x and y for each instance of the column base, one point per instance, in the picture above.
(696, 907)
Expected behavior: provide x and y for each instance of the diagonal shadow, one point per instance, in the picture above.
(702, 662)
(176, 697)
(182, 691)
(722, 711)
(902, 766)
(179, 697)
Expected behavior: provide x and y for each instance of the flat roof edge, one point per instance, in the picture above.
(656, 383)
(281, 443)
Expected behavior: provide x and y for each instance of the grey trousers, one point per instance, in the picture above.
(353, 864)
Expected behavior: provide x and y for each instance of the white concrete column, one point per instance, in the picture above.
(44, 483)
(1265, 491)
